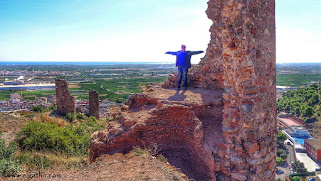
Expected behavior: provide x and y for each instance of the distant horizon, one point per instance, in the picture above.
(77, 63)
(108, 62)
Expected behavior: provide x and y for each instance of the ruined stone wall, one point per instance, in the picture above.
(240, 59)
(94, 103)
(65, 102)
(239, 135)
(185, 128)
(243, 36)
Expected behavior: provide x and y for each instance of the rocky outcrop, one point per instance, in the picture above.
(226, 128)
(185, 127)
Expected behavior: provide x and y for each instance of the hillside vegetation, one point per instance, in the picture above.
(59, 147)
(304, 104)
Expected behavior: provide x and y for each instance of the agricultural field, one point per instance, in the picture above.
(117, 89)
(113, 82)
(296, 80)
(298, 74)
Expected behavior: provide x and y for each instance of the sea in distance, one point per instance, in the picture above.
(79, 63)
(127, 63)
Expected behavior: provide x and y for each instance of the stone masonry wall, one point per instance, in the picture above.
(94, 103)
(240, 59)
(243, 38)
(240, 142)
(65, 102)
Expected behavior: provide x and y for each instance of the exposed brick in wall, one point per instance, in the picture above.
(243, 47)
(65, 102)
(94, 103)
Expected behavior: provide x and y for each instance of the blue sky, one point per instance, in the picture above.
(137, 30)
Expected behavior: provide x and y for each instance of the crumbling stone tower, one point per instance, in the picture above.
(65, 102)
(240, 59)
(242, 48)
(94, 103)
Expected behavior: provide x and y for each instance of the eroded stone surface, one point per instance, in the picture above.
(65, 102)
(185, 126)
(94, 103)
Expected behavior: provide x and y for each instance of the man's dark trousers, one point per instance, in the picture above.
(182, 71)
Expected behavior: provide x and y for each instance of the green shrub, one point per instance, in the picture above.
(303, 174)
(9, 168)
(280, 152)
(38, 108)
(162, 158)
(279, 161)
(6, 152)
(52, 107)
(295, 178)
(90, 126)
(34, 161)
(283, 156)
(117, 118)
(92, 119)
(139, 151)
(308, 111)
(48, 136)
(281, 137)
(79, 116)
(299, 167)
(70, 116)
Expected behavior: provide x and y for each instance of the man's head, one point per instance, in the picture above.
(183, 48)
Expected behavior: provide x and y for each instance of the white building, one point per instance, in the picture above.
(298, 131)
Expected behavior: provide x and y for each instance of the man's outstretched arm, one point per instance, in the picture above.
(171, 53)
(196, 52)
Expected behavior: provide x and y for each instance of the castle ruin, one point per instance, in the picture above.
(65, 102)
(94, 103)
(225, 129)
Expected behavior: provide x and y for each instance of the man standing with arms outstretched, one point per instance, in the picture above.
(183, 62)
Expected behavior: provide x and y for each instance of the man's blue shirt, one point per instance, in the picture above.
(181, 58)
(184, 58)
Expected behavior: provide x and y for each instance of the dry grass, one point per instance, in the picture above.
(10, 126)
(119, 167)
(73, 85)
(46, 118)
(37, 160)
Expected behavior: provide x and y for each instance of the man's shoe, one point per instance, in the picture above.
(185, 88)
